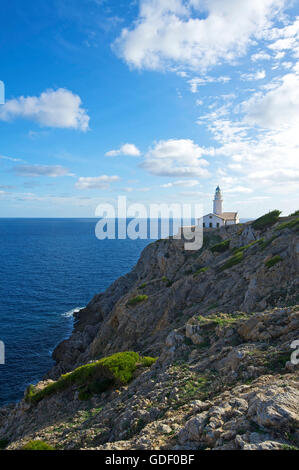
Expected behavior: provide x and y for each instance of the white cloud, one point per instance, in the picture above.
(126, 149)
(176, 157)
(286, 38)
(258, 75)
(239, 189)
(201, 81)
(97, 182)
(277, 108)
(184, 183)
(10, 159)
(278, 176)
(194, 33)
(60, 108)
(260, 56)
(41, 170)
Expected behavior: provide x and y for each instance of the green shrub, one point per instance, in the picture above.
(136, 300)
(235, 259)
(288, 447)
(290, 224)
(3, 443)
(271, 262)
(294, 213)
(220, 247)
(95, 377)
(167, 281)
(201, 270)
(241, 249)
(142, 286)
(266, 220)
(37, 445)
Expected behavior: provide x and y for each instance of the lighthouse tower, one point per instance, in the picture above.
(217, 206)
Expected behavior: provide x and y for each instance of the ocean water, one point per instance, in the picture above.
(48, 269)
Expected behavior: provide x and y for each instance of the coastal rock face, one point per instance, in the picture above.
(176, 289)
(222, 333)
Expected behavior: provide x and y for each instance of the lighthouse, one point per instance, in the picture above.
(218, 218)
(217, 206)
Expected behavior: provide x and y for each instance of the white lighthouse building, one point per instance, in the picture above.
(218, 218)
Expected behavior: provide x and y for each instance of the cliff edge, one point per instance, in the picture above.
(218, 324)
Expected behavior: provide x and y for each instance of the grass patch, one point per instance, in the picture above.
(95, 377)
(290, 224)
(137, 300)
(221, 319)
(201, 270)
(266, 220)
(243, 248)
(232, 261)
(220, 247)
(37, 445)
(272, 261)
(288, 447)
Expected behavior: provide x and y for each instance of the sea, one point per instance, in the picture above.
(49, 268)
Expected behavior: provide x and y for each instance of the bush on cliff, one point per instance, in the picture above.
(220, 247)
(235, 259)
(95, 377)
(136, 300)
(272, 261)
(37, 445)
(266, 220)
(290, 224)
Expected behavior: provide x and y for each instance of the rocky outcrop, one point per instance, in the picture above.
(176, 289)
(223, 378)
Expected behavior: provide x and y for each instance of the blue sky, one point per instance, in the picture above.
(158, 100)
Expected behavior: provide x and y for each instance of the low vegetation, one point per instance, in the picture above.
(243, 248)
(201, 270)
(266, 220)
(294, 213)
(136, 300)
(37, 445)
(220, 247)
(294, 223)
(272, 261)
(232, 261)
(222, 319)
(266, 243)
(167, 281)
(95, 377)
(3, 444)
(142, 286)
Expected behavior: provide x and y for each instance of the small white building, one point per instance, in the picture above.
(217, 218)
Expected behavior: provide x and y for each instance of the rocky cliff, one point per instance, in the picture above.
(220, 320)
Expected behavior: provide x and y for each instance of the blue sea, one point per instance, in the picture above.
(48, 269)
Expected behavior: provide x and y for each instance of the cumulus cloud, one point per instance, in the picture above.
(126, 149)
(176, 157)
(194, 34)
(184, 183)
(258, 75)
(96, 182)
(41, 170)
(277, 108)
(53, 108)
(260, 56)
